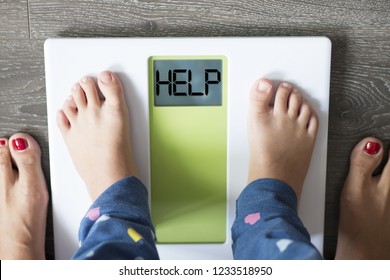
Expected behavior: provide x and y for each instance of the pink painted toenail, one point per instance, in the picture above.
(286, 85)
(105, 77)
(2, 142)
(372, 148)
(19, 144)
(263, 86)
(85, 79)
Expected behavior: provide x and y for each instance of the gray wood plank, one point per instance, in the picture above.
(14, 22)
(204, 18)
(359, 107)
(23, 100)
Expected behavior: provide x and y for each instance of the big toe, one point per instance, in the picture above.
(111, 88)
(6, 172)
(26, 155)
(365, 158)
(261, 96)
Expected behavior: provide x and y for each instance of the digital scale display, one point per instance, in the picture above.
(187, 82)
(188, 148)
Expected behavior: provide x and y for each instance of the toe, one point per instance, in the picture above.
(282, 97)
(294, 103)
(305, 113)
(261, 96)
(6, 172)
(365, 158)
(26, 154)
(313, 124)
(91, 92)
(111, 88)
(62, 122)
(384, 180)
(70, 109)
(79, 96)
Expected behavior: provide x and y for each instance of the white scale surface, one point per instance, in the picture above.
(303, 61)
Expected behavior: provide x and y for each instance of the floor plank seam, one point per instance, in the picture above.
(28, 19)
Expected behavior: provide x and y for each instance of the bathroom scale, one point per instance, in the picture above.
(188, 100)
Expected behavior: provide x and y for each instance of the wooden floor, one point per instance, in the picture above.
(358, 29)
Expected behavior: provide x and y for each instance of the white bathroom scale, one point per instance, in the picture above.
(188, 101)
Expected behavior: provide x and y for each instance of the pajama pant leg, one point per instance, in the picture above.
(267, 225)
(118, 225)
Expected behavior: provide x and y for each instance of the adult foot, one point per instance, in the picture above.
(23, 199)
(364, 226)
(96, 130)
(281, 136)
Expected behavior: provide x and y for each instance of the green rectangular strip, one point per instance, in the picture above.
(188, 157)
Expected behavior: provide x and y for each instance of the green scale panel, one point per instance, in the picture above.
(188, 147)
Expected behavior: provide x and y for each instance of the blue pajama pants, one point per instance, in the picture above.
(118, 225)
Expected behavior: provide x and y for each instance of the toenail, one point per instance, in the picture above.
(105, 77)
(76, 86)
(2, 142)
(85, 79)
(372, 148)
(286, 85)
(263, 85)
(19, 144)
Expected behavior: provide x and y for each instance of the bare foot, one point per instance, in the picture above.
(23, 199)
(97, 132)
(281, 137)
(364, 226)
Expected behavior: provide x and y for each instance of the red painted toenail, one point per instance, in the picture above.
(2, 142)
(372, 148)
(19, 144)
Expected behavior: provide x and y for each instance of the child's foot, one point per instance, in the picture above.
(23, 199)
(282, 136)
(364, 226)
(96, 131)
